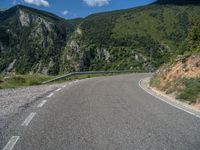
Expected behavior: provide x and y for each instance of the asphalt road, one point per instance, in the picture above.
(107, 113)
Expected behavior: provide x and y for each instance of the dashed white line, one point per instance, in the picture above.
(50, 95)
(11, 143)
(28, 119)
(63, 86)
(58, 89)
(178, 107)
(42, 103)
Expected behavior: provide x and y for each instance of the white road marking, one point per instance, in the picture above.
(28, 119)
(189, 112)
(58, 89)
(64, 86)
(11, 143)
(42, 103)
(50, 95)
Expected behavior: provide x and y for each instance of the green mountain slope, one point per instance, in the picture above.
(126, 39)
(138, 38)
(182, 76)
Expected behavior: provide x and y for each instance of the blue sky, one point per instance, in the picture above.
(76, 8)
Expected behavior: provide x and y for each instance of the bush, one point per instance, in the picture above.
(191, 91)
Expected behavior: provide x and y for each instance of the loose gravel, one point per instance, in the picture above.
(13, 100)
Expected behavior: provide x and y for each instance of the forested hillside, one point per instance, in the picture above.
(127, 39)
(182, 76)
(145, 37)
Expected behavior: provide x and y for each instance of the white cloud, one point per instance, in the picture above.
(94, 3)
(16, 2)
(38, 2)
(65, 12)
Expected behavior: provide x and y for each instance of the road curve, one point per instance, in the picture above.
(106, 113)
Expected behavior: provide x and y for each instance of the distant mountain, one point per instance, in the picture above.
(34, 41)
(2, 9)
(178, 2)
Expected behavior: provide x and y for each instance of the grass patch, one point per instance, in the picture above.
(187, 90)
(191, 91)
(155, 81)
(22, 80)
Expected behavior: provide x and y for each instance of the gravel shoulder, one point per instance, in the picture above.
(14, 100)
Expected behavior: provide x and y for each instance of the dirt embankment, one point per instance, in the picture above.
(180, 79)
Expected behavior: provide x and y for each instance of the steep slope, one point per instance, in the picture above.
(182, 76)
(32, 40)
(138, 38)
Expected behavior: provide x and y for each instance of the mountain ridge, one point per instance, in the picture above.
(36, 41)
(177, 2)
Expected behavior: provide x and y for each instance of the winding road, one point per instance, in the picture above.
(104, 113)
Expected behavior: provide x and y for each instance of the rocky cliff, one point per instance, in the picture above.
(32, 40)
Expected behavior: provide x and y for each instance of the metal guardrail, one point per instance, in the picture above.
(92, 72)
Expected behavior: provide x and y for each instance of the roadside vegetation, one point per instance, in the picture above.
(85, 76)
(185, 89)
(14, 81)
(182, 75)
(191, 90)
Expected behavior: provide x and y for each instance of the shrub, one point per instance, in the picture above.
(191, 91)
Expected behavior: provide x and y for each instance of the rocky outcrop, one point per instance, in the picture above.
(180, 79)
(183, 67)
(34, 38)
(24, 18)
(11, 65)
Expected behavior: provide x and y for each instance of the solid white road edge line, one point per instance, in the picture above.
(58, 89)
(50, 95)
(28, 119)
(191, 113)
(42, 103)
(11, 143)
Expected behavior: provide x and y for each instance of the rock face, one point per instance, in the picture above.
(33, 38)
(184, 67)
(180, 80)
(27, 19)
(24, 18)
